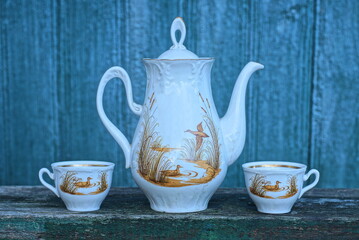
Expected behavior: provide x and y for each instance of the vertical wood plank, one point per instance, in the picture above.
(29, 107)
(335, 110)
(90, 42)
(3, 96)
(281, 38)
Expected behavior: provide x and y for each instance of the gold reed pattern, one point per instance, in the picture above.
(260, 187)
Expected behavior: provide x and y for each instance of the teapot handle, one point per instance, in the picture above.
(117, 72)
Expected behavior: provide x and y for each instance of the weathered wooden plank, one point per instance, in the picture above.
(34, 212)
(168, 228)
(3, 93)
(335, 109)
(29, 99)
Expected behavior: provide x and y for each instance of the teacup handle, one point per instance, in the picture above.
(312, 185)
(51, 175)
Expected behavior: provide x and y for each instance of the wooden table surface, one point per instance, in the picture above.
(36, 213)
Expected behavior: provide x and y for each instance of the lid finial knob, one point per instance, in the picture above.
(178, 50)
(178, 25)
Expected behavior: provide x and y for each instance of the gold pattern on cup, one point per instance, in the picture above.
(84, 165)
(71, 183)
(260, 186)
(274, 165)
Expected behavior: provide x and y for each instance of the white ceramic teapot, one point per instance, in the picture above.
(181, 148)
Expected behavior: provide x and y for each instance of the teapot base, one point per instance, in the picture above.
(185, 200)
(182, 199)
(179, 210)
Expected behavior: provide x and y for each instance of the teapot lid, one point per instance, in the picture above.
(178, 50)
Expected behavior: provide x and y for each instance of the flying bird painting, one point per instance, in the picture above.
(199, 135)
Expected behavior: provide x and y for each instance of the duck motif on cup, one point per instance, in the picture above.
(261, 187)
(72, 184)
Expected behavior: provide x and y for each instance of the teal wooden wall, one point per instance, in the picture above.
(303, 107)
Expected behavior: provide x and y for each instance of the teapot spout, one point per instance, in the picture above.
(233, 123)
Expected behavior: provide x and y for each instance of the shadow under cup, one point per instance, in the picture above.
(82, 185)
(274, 187)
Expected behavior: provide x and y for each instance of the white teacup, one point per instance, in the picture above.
(275, 186)
(82, 185)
